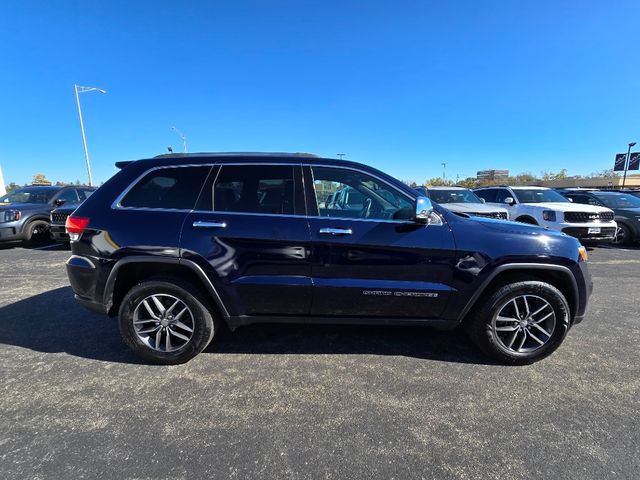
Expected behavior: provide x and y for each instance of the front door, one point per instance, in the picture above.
(249, 234)
(372, 260)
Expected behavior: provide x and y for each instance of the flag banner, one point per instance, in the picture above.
(620, 161)
(634, 161)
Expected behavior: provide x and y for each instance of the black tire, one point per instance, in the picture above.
(623, 235)
(36, 231)
(481, 324)
(527, 220)
(204, 324)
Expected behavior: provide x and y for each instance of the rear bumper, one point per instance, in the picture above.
(90, 305)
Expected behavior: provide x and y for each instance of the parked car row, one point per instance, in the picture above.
(30, 215)
(592, 216)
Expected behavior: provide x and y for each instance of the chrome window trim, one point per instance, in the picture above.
(116, 203)
(405, 222)
(211, 212)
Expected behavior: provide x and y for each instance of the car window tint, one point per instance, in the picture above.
(488, 194)
(69, 196)
(84, 193)
(170, 188)
(501, 194)
(347, 193)
(263, 189)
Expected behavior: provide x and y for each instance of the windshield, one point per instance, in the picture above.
(454, 196)
(538, 196)
(618, 200)
(30, 195)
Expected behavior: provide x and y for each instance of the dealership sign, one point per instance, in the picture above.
(634, 161)
(621, 159)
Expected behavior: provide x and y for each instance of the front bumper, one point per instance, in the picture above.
(59, 233)
(10, 231)
(591, 234)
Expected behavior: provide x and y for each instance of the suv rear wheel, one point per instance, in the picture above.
(166, 323)
(521, 322)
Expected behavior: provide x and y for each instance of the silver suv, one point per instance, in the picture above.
(463, 200)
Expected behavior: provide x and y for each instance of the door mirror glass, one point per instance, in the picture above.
(482, 200)
(424, 209)
(509, 200)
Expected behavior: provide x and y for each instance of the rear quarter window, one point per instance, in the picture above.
(174, 188)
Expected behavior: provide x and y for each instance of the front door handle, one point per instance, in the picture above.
(336, 231)
(200, 224)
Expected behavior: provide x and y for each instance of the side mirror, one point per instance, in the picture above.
(59, 202)
(482, 200)
(424, 209)
(509, 201)
(570, 199)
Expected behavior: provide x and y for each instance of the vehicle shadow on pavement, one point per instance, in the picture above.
(52, 322)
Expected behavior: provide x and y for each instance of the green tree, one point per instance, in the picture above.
(439, 182)
(12, 186)
(41, 179)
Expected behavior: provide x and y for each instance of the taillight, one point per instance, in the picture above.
(75, 226)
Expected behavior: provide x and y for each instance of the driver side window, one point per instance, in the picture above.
(345, 193)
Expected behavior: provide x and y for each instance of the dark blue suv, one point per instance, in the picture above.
(179, 245)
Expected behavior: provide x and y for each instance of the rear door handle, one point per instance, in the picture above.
(336, 231)
(200, 224)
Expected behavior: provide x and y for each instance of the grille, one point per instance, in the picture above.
(500, 215)
(586, 217)
(59, 217)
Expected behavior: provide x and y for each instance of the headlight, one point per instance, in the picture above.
(11, 216)
(549, 215)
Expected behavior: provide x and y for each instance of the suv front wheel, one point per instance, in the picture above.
(521, 322)
(166, 323)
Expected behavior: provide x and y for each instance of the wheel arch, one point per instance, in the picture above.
(129, 271)
(557, 275)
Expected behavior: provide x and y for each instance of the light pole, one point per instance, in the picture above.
(626, 163)
(79, 90)
(340, 155)
(183, 137)
(444, 171)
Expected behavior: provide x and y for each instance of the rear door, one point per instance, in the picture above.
(250, 235)
(372, 261)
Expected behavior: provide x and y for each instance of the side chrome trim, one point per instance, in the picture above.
(77, 260)
(515, 266)
(200, 224)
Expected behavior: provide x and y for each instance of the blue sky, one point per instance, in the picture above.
(400, 85)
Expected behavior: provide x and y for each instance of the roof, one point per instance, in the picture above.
(525, 187)
(236, 157)
(235, 154)
(443, 187)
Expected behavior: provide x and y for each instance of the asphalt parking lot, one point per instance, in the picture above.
(312, 401)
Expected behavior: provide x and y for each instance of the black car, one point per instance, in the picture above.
(178, 245)
(626, 208)
(25, 213)
(59, 215)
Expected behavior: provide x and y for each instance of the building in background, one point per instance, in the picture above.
(492, 175)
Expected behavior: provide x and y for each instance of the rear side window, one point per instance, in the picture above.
(263, 189)
(167, 188)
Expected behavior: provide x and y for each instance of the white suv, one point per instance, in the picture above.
(547, 208)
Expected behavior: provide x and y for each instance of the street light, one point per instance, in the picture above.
(79, 90)
(626, 163)
(444, 171)
(182, 136)
(340, 155)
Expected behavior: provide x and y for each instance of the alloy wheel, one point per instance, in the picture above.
(524, 324)
(163, 322)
